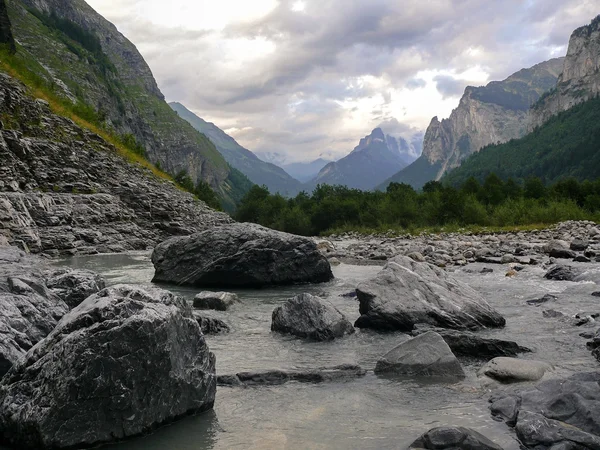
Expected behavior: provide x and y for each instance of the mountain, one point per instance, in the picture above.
(257, 171)
(376, 157)
(488, 114)
(306, 171)
(279, 159)
(565, 141)
(580, 78)
(64, 47)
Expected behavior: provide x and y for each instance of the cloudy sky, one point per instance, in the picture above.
(306, 77)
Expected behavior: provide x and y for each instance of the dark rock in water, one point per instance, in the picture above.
(273, 377)
(596, 294)
(464, 343)
(579, 245)
(406, 292)
(486, 270)
(211, 325)
(581, 259)
(220, 301)
(453, 438)
(511, 370)
(587, 334)
(310, 317)
(240, 254)
(489, 260)
(562, 273)
(557, 414)
(136, 357)
(540, 301)
(589, 253)
(74, 286)
(553, 314)
(425, 355)
(29, 308)
(349, 295)
(562, 253)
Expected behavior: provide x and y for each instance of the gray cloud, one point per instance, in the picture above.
(290, 100)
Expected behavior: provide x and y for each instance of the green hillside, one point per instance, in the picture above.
(568, 145)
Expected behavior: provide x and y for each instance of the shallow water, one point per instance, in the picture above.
(370, 412)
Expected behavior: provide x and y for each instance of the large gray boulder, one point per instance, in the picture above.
(32, 303)
(74, 286)
(310, 317)
(425, 355)
(557, 414)
(453, 438)
(407, 292)
(240, 254)
(123, 362)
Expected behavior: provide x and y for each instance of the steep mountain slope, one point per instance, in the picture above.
(258, 171)
(567, 145)
(374, 159)
(306, 171)
(580, 78)
(485, 115)
(65, 190)
(72, 50)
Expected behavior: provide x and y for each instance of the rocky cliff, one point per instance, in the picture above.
(64, 190)
(375, 158)
(65, 46)
(489, 114)
(580, 78)
(257, 171)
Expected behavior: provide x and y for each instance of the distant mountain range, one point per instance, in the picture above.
(485, 115)
(306, 171)
(258, 171)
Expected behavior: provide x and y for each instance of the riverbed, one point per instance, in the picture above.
(370, 412)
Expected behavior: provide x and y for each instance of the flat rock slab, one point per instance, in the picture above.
(513, 370)
(120, 364)
(453, 438)
(310, 317)
(219, 301)
(557, 414)
(407, 292)
(276, 377)
(241, 255)
(464, 343)
(426, 355)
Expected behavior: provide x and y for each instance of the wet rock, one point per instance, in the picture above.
(581, 259)
(562, 273)
(220, 301)
(579, 245)
(274, 377)
(310, 317)
(557, 414)
(513, 370)
(596, 294)
(74, 286)
(464, 343)
(240, 254)
(486, 270)
(540, 301)
(553, 314)
(426, 355)
(406, 292)
(211, 325)
(562, 253)
(138, 356)
(349, 294)
(453, 438)
(334, 261)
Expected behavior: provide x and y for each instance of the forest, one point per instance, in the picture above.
(493, 203)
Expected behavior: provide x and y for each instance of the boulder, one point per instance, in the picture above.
(242, 255)
(579, 245)
(310, 317)
(74, 286)
(581, 259)
(211, 325)
(220, 301)
(274, 377)
(540, 301)
(511, 370)
(426, 355)
(453, 438)
(464, 343)
(120, 364)
(562, 273)
(407, 292)
(557, 413)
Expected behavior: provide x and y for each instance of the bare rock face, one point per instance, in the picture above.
(406, 293)
(310, 317)
(580, 78)
(123, 362)
(241, 255)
